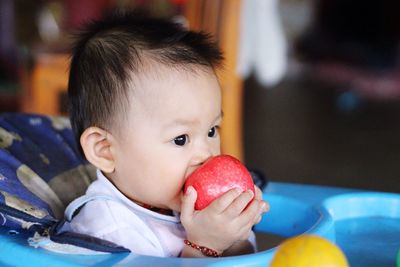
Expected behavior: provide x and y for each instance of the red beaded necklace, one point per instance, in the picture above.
(155, 209)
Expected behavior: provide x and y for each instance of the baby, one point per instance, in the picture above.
(145, 106)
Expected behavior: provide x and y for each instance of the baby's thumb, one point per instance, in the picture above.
(188, 200)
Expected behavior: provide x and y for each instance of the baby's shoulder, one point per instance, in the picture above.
(105, 215)
(110, 211)
(115, 222)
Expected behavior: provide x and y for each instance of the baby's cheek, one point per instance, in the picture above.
(176, 206)
(174, 200)
(179, 200)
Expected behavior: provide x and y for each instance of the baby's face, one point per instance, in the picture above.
(172, 128)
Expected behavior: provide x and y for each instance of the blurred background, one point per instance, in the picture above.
(311, 87)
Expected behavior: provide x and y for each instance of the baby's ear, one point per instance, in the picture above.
(96, 146)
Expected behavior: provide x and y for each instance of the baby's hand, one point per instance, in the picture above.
(258, 197)
(226, 220)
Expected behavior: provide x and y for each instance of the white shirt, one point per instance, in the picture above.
(125, 223)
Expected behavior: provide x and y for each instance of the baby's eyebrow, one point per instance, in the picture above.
(186, 122)
(178, 122)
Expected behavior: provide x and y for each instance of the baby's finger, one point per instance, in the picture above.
(221, 203)
(250, 214)
(258, 192)
(187, 206)
(239, 204)
(265, 206)
(258, 219)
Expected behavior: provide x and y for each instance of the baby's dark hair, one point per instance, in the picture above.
(110, 51)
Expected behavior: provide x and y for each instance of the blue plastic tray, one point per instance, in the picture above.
(366, 225)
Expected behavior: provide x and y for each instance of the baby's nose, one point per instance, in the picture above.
(202, 153)
(201, 158)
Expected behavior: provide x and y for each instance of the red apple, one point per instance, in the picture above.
(217, 176)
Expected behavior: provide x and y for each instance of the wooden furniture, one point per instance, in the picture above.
(47, 85)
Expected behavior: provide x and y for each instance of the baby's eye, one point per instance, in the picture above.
(181, 140)
(213, 131)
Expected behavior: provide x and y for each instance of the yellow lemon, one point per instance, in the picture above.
(308, 251)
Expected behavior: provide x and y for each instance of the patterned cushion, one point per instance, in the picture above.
(41, 169)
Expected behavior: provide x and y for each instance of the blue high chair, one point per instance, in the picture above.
(42, 171)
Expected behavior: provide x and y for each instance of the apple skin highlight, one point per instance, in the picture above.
(216, 176)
